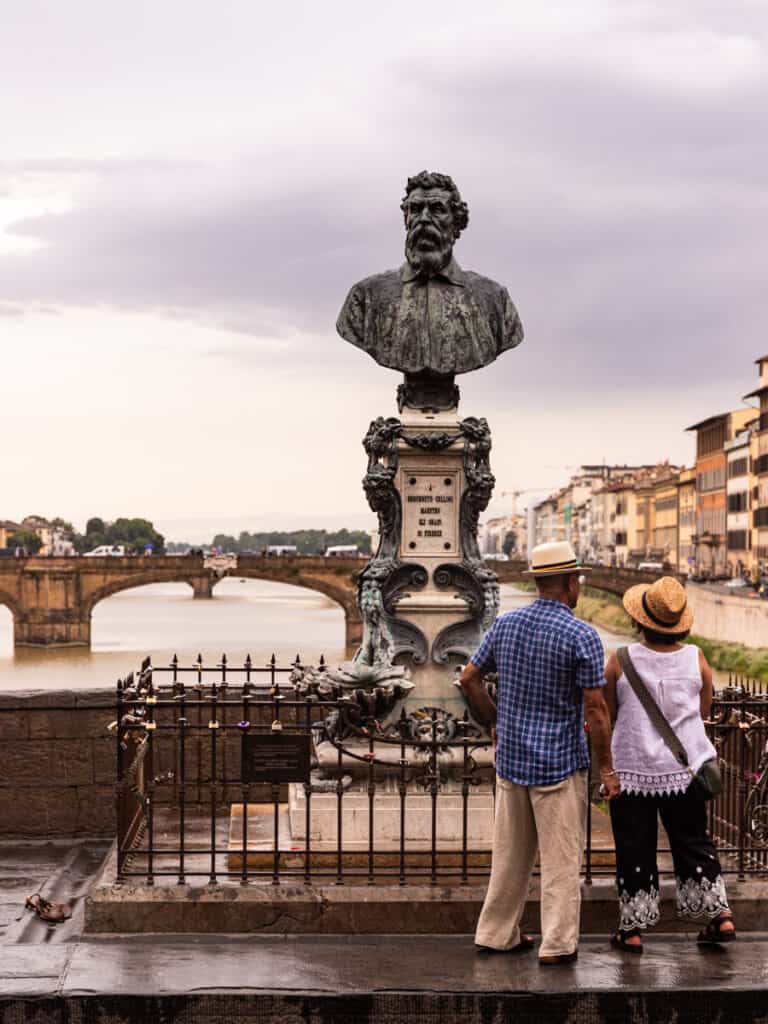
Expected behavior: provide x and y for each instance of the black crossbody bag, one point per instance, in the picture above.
(707, 781)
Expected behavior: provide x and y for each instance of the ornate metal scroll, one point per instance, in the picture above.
(472, 578)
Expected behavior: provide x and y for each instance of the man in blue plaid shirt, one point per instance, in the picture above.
(550, 669)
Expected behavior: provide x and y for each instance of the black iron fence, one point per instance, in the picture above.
(242, 773)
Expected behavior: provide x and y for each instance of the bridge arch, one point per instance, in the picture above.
(337, 583)
(340, 588)
(11, 603)
(116, 586)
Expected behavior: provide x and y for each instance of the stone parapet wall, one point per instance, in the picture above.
(727, 617)
(57, 763)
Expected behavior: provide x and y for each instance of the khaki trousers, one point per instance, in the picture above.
(551, 819)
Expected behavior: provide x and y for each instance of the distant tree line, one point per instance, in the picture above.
(132, 534)
(26, 540)
(307, 542)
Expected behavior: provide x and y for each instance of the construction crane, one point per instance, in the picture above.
(515, 494)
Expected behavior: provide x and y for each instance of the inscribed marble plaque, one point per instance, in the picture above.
(430, 513)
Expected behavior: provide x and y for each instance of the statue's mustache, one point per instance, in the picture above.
(428, 233)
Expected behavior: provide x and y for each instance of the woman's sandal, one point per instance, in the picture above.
(713, 934)
(619, 941)
(52, 913)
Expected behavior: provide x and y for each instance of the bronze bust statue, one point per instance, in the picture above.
(430, 318)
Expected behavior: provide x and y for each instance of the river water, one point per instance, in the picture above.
(253, 617)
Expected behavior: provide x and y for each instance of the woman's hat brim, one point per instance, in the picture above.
(633, 606)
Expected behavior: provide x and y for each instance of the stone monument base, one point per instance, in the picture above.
(416, 860)
(355, 812)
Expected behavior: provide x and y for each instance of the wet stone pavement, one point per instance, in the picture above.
(375, 978)
(56, 975)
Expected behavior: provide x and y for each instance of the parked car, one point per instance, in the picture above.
(737, 583)
(106, 551)
(651, 567)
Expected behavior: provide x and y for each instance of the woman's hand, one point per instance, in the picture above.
(610, 786)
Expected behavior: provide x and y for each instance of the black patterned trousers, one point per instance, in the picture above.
(698, 876)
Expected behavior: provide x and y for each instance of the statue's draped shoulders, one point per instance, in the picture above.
(471, 320)
(359, 305)
(498, 305)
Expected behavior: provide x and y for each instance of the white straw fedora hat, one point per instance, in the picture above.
(661, 606)
(553, 559)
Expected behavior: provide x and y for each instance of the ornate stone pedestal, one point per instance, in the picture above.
(425, 598)
(443, 480)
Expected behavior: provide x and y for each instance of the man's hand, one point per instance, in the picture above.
(599, 725)
(481, 705)
(611, 785)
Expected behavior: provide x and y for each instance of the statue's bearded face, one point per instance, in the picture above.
(430, 232)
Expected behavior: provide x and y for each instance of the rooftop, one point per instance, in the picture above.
(709, 421)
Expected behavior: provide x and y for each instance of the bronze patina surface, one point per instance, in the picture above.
(430, 318)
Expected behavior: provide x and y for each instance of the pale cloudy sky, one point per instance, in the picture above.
(188, 189)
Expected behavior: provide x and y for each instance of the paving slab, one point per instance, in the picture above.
(392, 979)
(63, 871)
(435, 963)
(32, 970)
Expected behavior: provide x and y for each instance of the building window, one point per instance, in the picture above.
(761, 517)
(737, 502)
(711, 521)
(738, 467)
(737, 540)
(711, 479)
(621, 538)
(711, 439)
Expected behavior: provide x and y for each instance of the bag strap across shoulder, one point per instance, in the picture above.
(651, 708)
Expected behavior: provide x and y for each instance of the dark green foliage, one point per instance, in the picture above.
(26, 539)
(132, 534)
(63, 524)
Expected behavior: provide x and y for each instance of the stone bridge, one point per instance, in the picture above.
(51, 599)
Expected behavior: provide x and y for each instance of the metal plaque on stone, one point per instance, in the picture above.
(276, 757)
(430, 513)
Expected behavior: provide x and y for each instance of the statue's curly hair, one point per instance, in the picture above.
(432, 179)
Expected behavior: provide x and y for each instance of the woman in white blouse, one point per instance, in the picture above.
(653, 782)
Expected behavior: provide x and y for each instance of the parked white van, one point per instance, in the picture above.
(342, 551)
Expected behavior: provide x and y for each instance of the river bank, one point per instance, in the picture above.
(606, 612)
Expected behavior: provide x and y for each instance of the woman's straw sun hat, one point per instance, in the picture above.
(661, 606)
(554, 559)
